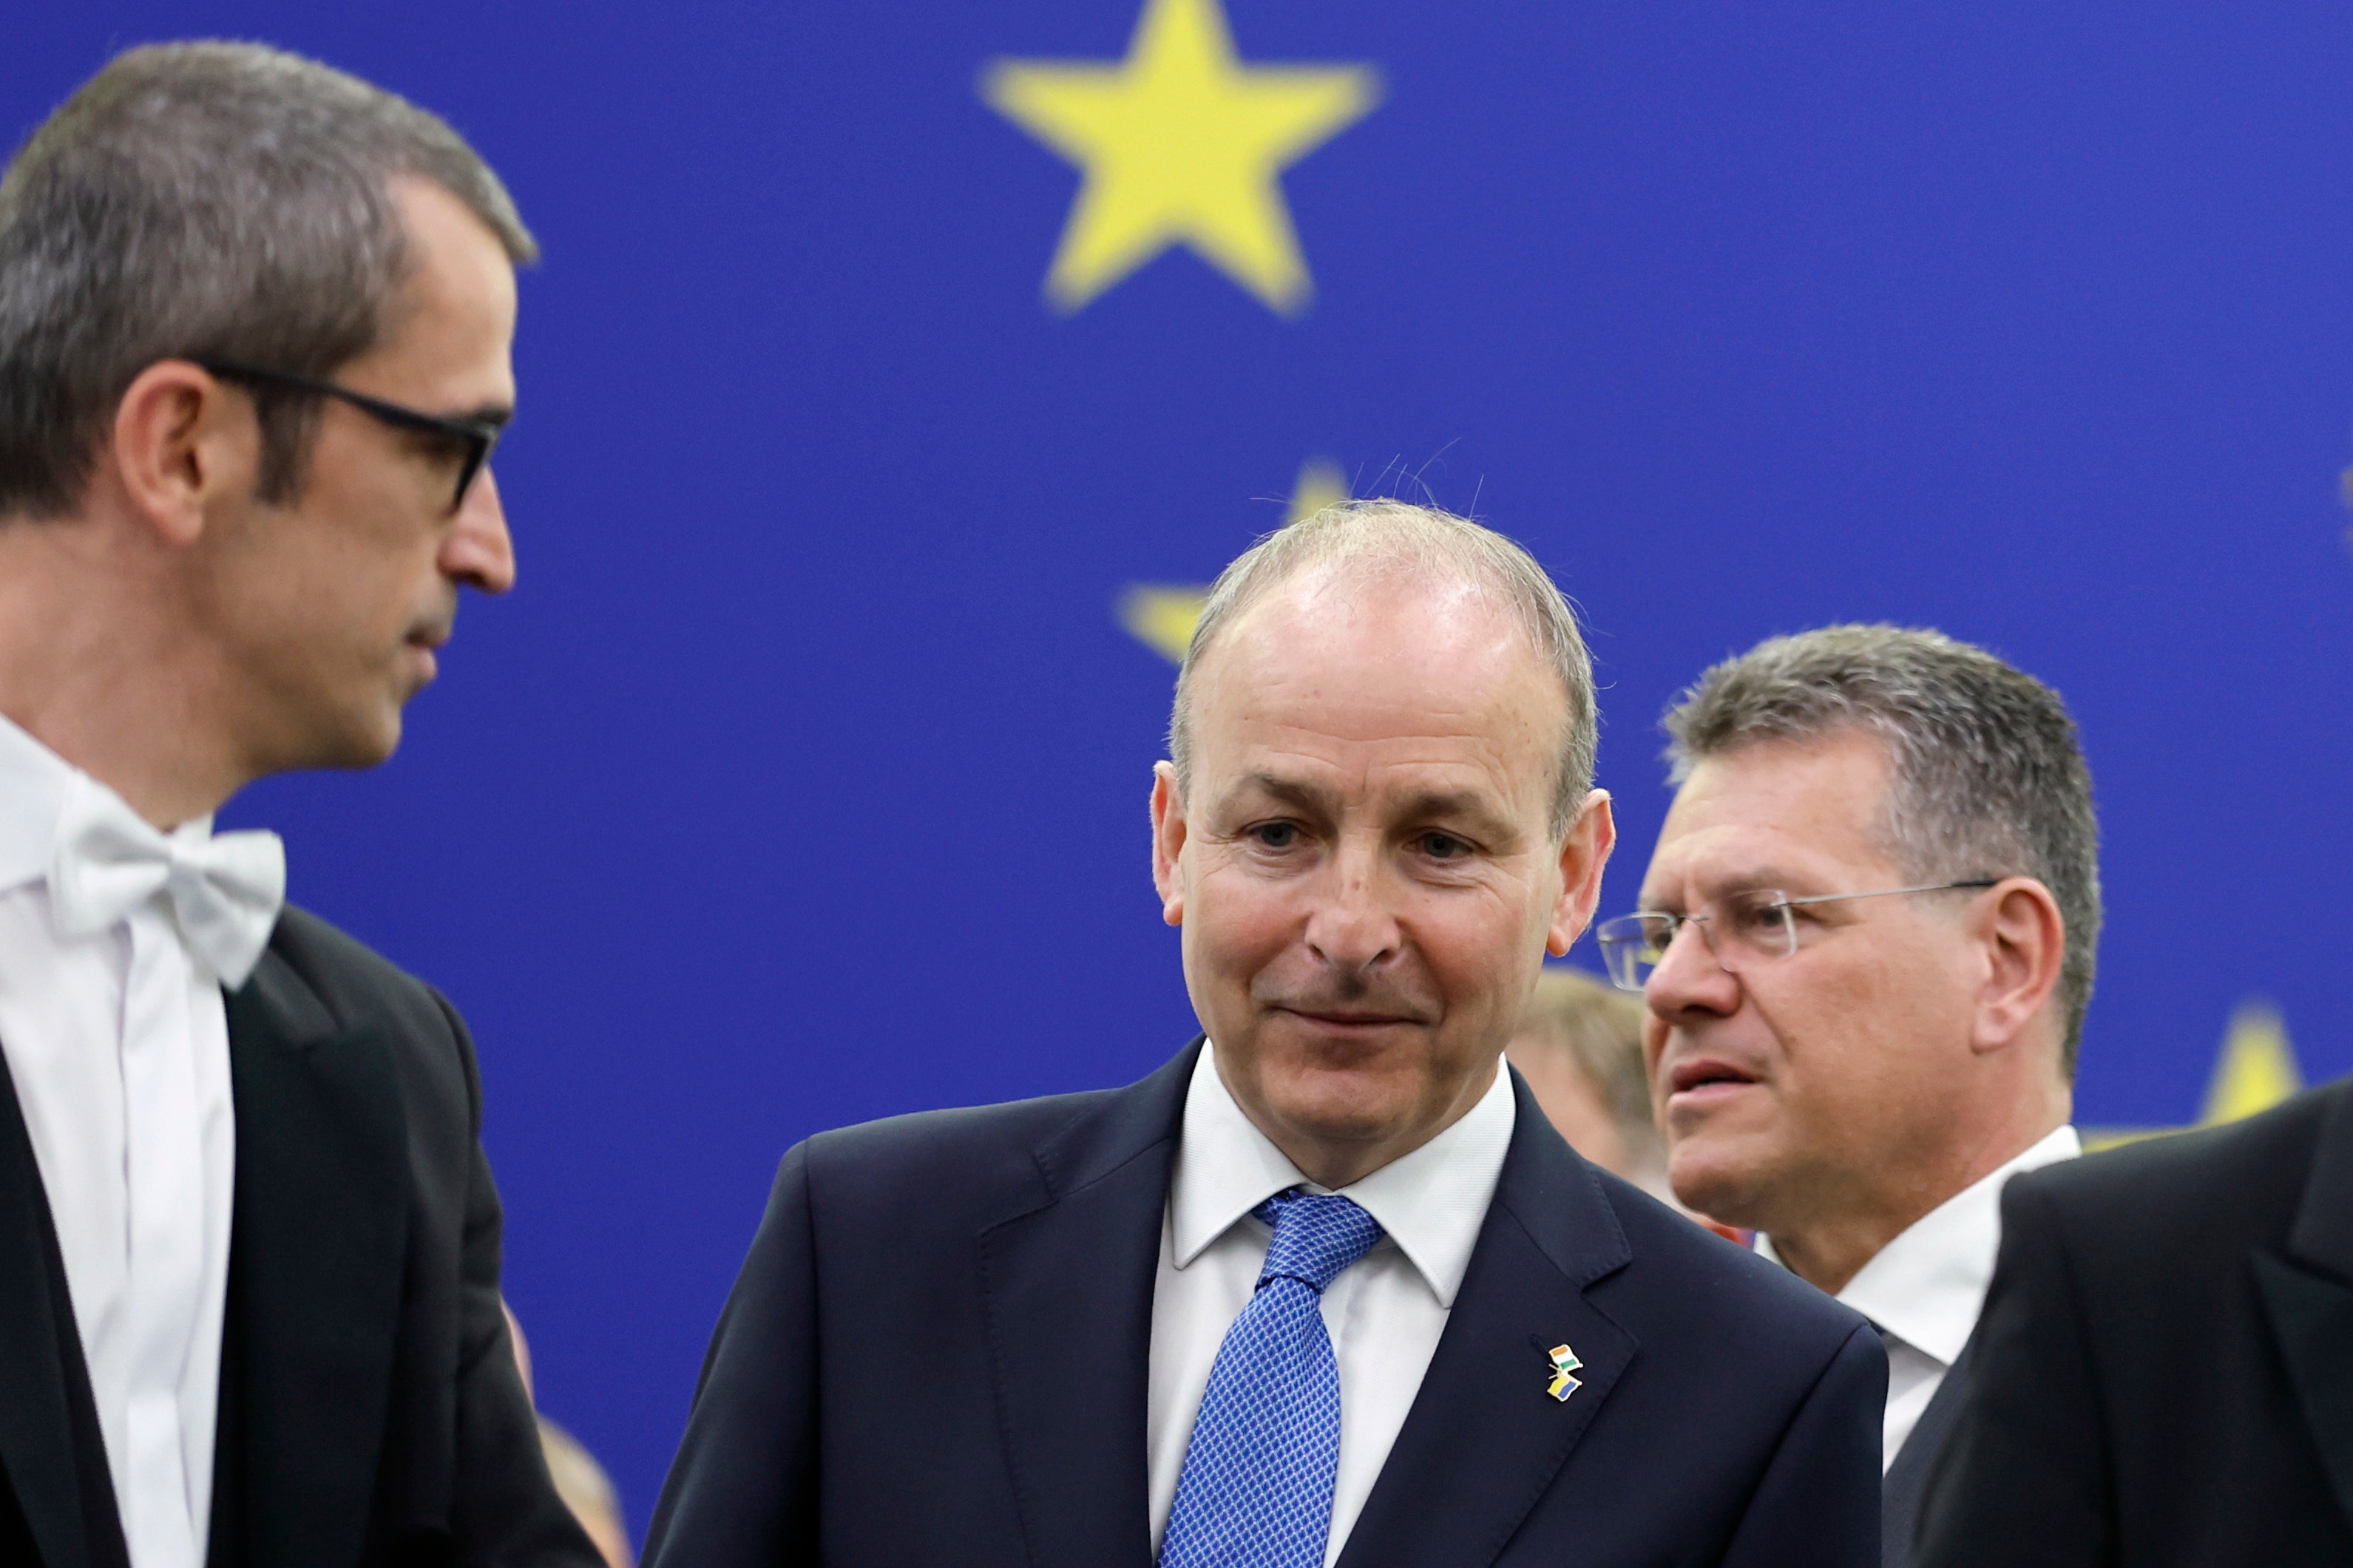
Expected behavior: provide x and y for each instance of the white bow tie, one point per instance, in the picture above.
(226, 889)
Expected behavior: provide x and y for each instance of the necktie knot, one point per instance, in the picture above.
(224, 890)
(1315, 1237)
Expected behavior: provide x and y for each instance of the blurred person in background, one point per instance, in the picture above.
(588, 1493)
(1326, 1282)
(1579, 1047)
(1865, 941)
(256, 319)
(579, 1480)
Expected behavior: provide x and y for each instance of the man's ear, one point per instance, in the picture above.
(180, 441)
(1583, 853)
(1167, 841)
(2024, 943)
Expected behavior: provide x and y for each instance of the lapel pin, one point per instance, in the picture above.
(1564, 1367)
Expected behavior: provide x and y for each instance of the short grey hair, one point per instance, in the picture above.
(1987, 773)
(1381, 537)
(205, 200)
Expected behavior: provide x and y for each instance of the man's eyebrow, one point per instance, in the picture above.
(1291, 792)
(497, 416)
(1781, 880)
(1746, 881)
(1463, 804)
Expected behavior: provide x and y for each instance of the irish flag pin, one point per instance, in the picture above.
(1564, 1367)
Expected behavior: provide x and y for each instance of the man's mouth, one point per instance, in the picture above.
(422, 645)
(1349, 1018)
(1703, 1074)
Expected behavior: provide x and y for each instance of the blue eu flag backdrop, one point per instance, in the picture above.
(896, 370)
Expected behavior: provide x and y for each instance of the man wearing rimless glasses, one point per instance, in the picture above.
(1865, 939)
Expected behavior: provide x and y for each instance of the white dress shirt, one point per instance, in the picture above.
(1384, 1313)
(117, 1045)
(1926, 1287)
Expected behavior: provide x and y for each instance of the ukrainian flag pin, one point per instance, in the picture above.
(1564, 1366)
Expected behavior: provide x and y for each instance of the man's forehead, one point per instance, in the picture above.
(1352, 673)
(1344, 731)
(1467, 781)
(1775, 812)
(1420, 780)
(1379, 654)
(454, 319)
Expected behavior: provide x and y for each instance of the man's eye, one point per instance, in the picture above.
(440, 447)
(1275, 834)
(1658, 935)
(1444, 847)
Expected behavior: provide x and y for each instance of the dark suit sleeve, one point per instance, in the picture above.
(506, 1513)
(1817, 1506)
(742, 1490)
(2023, 1479)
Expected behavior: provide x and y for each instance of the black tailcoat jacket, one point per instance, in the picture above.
(370, 1410)
(2164, 1368)
(938, 1353)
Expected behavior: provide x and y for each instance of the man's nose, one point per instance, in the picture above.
(1354, 925)
(1689, 979)
(479, 552)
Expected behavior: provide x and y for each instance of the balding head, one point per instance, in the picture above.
(1339, 556)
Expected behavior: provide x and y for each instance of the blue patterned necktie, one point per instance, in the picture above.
(1256, 1489)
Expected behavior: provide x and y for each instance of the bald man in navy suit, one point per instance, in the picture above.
(1327, 1288)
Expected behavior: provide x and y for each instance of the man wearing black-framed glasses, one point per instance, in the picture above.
(1864, 939)
(469, 439)
(248, 1241)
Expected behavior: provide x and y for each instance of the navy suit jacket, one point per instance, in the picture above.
(937, 1353)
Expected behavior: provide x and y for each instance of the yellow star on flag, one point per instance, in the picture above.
(2256, 1070)
(1181, 144)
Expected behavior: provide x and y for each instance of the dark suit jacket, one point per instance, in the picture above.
(938, 1349)
(370, 1410)
(1899, 1494)
(2164, 1365)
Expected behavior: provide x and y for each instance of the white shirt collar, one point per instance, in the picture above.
(33, 784)
(1430, 1202)
(1927, 1286)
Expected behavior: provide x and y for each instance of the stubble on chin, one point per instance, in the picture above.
(366, 737)
(1340, 1095)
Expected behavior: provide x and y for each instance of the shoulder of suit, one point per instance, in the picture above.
(349, 977)
(963, 1130)
(2241, 1181)
(979, 1153)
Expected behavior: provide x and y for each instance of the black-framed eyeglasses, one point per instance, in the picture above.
(1754, 925)
(476, 438)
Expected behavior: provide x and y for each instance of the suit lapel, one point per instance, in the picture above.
(1067, 1289)
(1485, 1438)
(2308, 1296)
(315, 1267)
(39, 1343)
